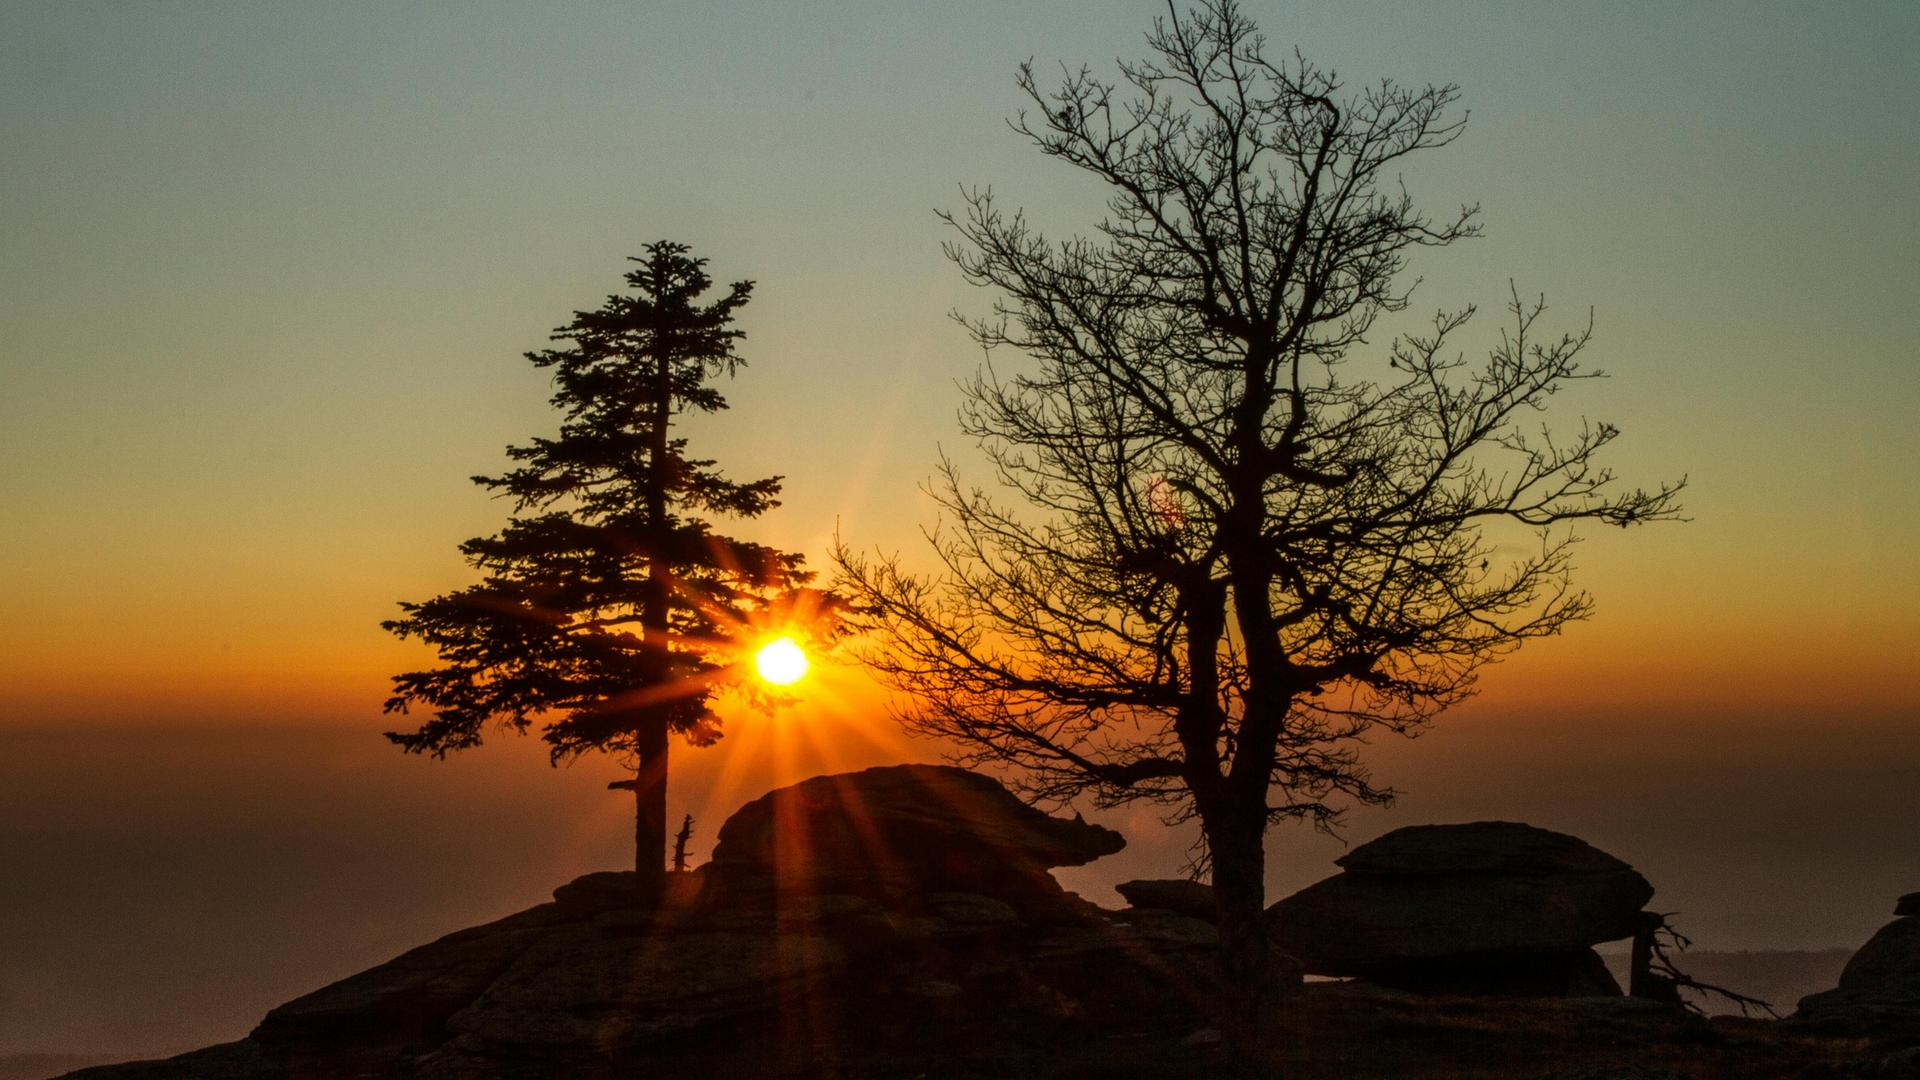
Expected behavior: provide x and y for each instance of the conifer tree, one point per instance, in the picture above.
(610, 609)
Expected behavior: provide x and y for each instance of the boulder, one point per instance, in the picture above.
(1908, 904)
(1189, 898)
(1503, 848)
(1879, 988)
(900, 832)
(1485, 907)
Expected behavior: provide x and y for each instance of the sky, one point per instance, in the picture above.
(267, 271)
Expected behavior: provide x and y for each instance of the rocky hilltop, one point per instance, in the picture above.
(902, 922)
(852, 924)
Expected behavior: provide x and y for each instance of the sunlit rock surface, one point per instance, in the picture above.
(896, 832)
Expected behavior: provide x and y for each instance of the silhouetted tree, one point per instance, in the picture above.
(610, 608)
(1245, 541)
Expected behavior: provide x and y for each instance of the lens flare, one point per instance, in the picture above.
(780, 662)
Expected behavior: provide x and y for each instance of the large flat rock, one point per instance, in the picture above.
(1190, 898)
(1499, 848)
(912, 828)
(1469, 893)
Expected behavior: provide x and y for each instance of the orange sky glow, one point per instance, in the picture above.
(267, 272)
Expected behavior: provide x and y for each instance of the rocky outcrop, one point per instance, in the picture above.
(1879, 988)
(747, 968)
(886, 918)
(897, 832)
(1189, 898)
(1485, 907)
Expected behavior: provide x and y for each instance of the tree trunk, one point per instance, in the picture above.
(1249, 977)
(650, 738)
(650, 809)
(1642, 980)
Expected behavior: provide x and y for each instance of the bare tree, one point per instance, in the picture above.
(1237, 541)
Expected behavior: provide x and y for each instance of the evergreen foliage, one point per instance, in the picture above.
(610, 608)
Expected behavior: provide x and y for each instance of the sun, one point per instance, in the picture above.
(780, 662)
